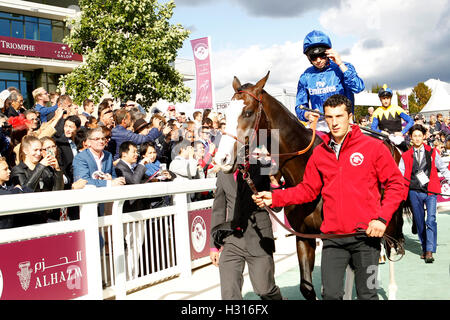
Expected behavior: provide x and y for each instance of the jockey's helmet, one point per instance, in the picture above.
(316, 42)
(385, 91)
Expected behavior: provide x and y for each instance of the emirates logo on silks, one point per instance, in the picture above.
(356, 159)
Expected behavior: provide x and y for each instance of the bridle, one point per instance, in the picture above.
(243, 168)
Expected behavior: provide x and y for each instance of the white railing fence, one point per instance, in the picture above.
(124, 251)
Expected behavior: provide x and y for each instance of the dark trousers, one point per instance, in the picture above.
(363, 254)
(260, 268)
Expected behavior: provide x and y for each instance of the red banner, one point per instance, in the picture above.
(204, 91)
(403, 101)
(50, 268)
(34, 48)
(199, 226)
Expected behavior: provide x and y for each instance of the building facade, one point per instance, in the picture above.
(31, 50)
(32, 53)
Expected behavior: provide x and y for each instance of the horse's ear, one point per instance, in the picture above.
(236, 84)
(261, 83)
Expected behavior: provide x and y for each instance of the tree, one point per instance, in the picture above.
(129, 48)
(419, 97)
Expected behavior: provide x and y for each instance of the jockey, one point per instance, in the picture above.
(327, 76)
(388, 118)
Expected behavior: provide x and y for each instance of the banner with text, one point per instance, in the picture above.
(50, 268)
(204, 89)
(34, 48)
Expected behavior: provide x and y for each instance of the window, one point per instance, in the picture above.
(17, 29)
(32, 28)
(4, 28)
(22, 80)
(45, 30)
(50, 81)
(57, 31)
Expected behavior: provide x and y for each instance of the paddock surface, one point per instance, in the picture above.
(415, 279)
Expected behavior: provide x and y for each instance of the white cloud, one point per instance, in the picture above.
(405, 33)
(284, 61)
(397, 42)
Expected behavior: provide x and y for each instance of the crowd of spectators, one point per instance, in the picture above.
(58, 145)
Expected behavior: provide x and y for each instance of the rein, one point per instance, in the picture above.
(258, 117)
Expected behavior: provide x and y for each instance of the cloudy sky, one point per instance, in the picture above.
(399, 42)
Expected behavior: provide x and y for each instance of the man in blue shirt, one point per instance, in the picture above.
(327, 76)
(41, 98)
(120, 132)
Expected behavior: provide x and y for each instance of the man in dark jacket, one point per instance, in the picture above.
(133, 174)
(245, 234)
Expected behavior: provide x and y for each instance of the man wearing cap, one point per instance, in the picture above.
(172, 112)
(327, 76)
(141, 126)
(388, 119)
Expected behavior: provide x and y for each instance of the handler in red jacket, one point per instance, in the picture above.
(347, 170)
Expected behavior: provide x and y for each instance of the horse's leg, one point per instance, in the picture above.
(392, 295)
(349, 281)
(306, 256)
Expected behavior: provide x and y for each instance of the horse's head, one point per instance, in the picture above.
(243, 117)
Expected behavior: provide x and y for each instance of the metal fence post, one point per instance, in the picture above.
(182, 239)
(119, 251)
(88, 216)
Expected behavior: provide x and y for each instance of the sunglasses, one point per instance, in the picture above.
(314, 57)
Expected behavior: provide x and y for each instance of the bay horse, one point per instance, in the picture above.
(244, 120)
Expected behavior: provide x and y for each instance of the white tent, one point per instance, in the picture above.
(439, 101)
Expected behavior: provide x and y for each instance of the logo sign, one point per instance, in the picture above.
(198, 233)
(50, 268)
(445, 191)
(204, 88)
(34, 48)
(404, 101)
(356, 159)
(199, 227)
